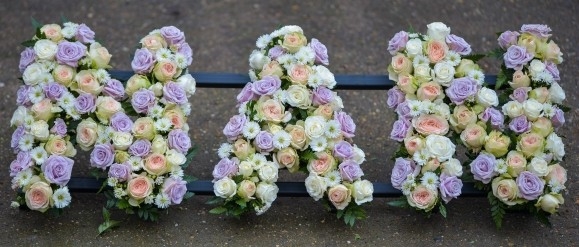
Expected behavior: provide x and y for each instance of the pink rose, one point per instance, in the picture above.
(436, 51)
(429, 91)
(401, 64)
(288, 157)
(323, 164)
(139, 187)
(38, 196)
(87, 83)
(340, 196)
(406, 84)
(165, 70)
(530, 144)
(299, 74)
(423, 198)
(413, 144)
(272, 110)
(42, 110)
(156, 164)
(557, 173)
(430, 124)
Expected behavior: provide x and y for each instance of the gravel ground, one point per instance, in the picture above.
(223, 34)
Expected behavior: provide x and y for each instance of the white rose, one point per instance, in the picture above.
(452, 167)
(556, 93)
(267, 193)
(423, 73)
(290, 29)
(550, 202)
(298, 96)
(122, 140)
(315, 126)
(268, 172)
(337, 103)
(257, 59)
(363, 190)
(245, 169)
(444, 73)
(225, 187)
(39, 129)
(513, 109)
(532, 109)
(316, 186)
(45, 49)
(326, 77)
(413, 47)
(175, 158)
(33, 74)
(157, 89)
(159, 144)
(487, 97)
(19, 116)
(556, 146)
(359, 155)
(440, 147)
(536, 67)
(188, 83)
(538, 166)
(438, 31)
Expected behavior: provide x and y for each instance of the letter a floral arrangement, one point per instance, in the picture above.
(289, 117)
(137, 130)
(513, 150)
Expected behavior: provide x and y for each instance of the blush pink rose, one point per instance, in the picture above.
(436, 50)
(430, 125)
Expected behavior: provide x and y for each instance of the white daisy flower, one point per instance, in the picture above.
(177, 172)
(452, 58)
(318, 144)
(415, 107)
(23, 177)
(252, 76)
(281, 139)
(186, 108)
(36, 94)
(14, 204)
(430, 180)
(69, 30)
(26, 142)
(150, 199)
(260, 211)
(163, 124)
(136, 163)
(477, 75)
(119, 193)
(501, 166)
(251, 129)
(442, 110)
(333, 178)
(112, 182)
(257, 160)
(305, 55)
(314, 80)
(333, 129)
(285, 59)
(421, 157)
(72, 112)
(555, 186)
(39, 155)
(420, 59)
(61, 197)
(181, 61)
(407, 186)
(548, 110)
(162, 200)
(66, 101)
(224, 150)
(280, 95)
(156, 111)
(263, 41)
(28, 121)
(159, 180)
(413, 35)
(101, 75)
(163, 54)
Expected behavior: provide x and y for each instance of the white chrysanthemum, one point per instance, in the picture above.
(163, 124)
(263, 41)
(477, 75)
(555, 186)
(548, 110)
(101, 75)
(408, 185)
(224, 150)
(318, 144)
(285, 59)
(136, 163)
(112, 182)
(150, 199)
(119, 193)
(69, 30)
(333, 129)
(156, 111)
(543, 76)
(66, 101)
(281, 139)
(421, 157)
(452, 58)
(73, 113)
(257, 160)
(23, 177)
(47, 65)
(415, 107)
(61, 197)
(305, 55)
(159, 180)
(251, 129)
(180, 60)
(314, 81)
(427, 107)
(177, 172)
(162, 200)
(26, 142)
(420, 59)
(280, 95)
(501, 166)
(242, 109)
(39, 155)
(333, 178)
(430, 180)
(163, 54)
(28, 121)
(36, 94)
(413, 35)
(186, 108)
(326, 76)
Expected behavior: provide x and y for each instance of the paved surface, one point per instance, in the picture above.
(222, 34)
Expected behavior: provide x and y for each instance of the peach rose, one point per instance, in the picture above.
(423, 198)
(99, 55)
(56, 145)
(550, 52)
(323, 164)
(176, 116)
(298, 134)
(271, 110)
(165, 70)
(530, 42)
(326, 111)
(299, 74)
(436, 50)
(531, 144)
(497, 144)
(242, 149)
(542, 126)
(340, 196)
(429, 91)
(520, 79)
(540, 94)
(430, 124)
(39, 196)
(106, 107)
(135, 83)
(52, 32)
(430, 165)
(139, 187)
(401, 64)
(516, 163)
(270, 69)
(87, 82)
(505, 190)
(156, 164)
(473, 136)
(42, 110)
(154, 42)
(557, 173)
(63, 74)
(413, 144)
(292, 42)
(461, 117)
(406, 84)
(144, 128)
(246, 190)
(288, 158)
(86, 134)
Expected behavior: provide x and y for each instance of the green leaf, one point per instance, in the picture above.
(215, 200)
(28, 43)
(188, 195)
(501, 79)
(474, 57)
(564, 108)
(64, 19)
(340, 213)
(400, 203)
(497, 210)
(123, 204)
(107, 226)
(442, 210)
(35, 23)
(190, 155)
(357, 236)
(218, 210)
(189, 178)
(496, 53)
(106, 214)
(241, 203)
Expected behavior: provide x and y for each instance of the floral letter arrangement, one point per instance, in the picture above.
(137, 134)
(289, 117)
(436, 92)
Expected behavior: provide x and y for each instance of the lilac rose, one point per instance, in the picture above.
(495, 116)
(69, 53)
(264, 141)
(173, 35)
(175, 188)
(84, 34)
(22, 96)
(350, 170)
(54, 90)
(400, 129)
(395, 97)
(26, 58)
(122, 172)
(143, 100)
(59, 128)
(85, 103)
(114, 88)
(320, 50)
(558, 118)
(225, 168)
(539, 30)
(462, 89)
(530, 185)
(397, 43)
(172, 92)
(483, 167)
(140, 148)
(450, 187)
(179, 140)
(343, 150)
(507, 39)
(275, 52)
(321, 96)
(18, 133)
(458, 45)
(520, 94)
(143, 61)
(121, 122)
(553, 70)
(347, 125)
(57, 169)
(520, 124)
(403, 110)
(246, 94)
(402, 168)
(186, 50)
(22, 162)
(234, 127)
(267, 85)
(102, 156)
(516, 56)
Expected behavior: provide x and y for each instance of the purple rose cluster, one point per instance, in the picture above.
(145, 58)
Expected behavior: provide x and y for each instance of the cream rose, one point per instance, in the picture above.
(414, 47)
(245, 169)
(122, 140)
(550, 202)
(39, 129)
(268, 172)
(288, 157)
(42, 110)
(33, 74)
(520, 79)
(487, 97)
(444, 73)
(188, 83)
(299, 74)
(505, 190)
(139, 187)
(550, 52)
(423, 73)
(430, 125)
(18, 116)
(473, 136)
(52, 32)
(542, 126)
(165, 70)
(246, 190)
(88, 83)
(556, 93)
(340, 196)
(323, 163)
(538, 166)
(257, 60)
(86, 134)
(63, 74)
(462, 117)
(154, 42)
(401, 65)
(326, 111)
(452, 167)
(39, 196)
(106, 107)
(513, 109)
(516, 163)
(316, 186)
(242, 149)
(298, 96)
(413, 143)
(541, 94)
(45, 49)
(135, 83)
(497, 144)
(528, 41)
(530, 144)
(438, 31)
(532, 109)
(175, 158)
(225, 188)
(314, 126)
(56, 145)
(266, 192)
(156, 164)
(363, 190)
(144, 128)
(99, 55)
(270, 69)
(422, 198)
(292, 42)
(271, 110)
(464, 67)
(440, 147)
(159, 144)
(407, 84)
(123, 156)
(297, 132)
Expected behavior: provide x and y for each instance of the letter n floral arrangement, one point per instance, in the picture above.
(433, 79)
(289, 117)
(520, 162)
